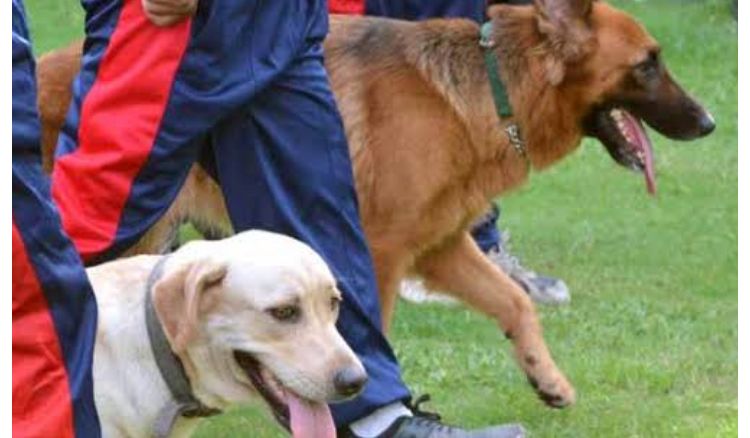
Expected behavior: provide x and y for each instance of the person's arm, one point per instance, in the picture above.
(169, 12)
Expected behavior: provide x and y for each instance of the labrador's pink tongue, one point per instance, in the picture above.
(638, 132)
(309, 419)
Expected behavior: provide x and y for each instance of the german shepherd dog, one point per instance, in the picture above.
(429, 150)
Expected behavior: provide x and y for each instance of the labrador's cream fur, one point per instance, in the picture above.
(212, 299)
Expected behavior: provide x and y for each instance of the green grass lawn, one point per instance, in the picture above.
(650, 339)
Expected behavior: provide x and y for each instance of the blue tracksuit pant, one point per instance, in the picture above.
(54, 311)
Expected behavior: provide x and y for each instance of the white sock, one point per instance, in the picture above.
(377, 422)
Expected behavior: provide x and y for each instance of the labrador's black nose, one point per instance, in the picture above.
(707, 124)
(349, 381)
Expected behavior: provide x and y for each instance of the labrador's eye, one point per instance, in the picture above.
(285, 313)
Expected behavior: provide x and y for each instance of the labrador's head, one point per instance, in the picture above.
(255, 314)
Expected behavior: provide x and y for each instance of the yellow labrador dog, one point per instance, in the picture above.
(215, 324)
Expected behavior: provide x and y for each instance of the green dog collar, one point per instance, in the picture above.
(499, 93)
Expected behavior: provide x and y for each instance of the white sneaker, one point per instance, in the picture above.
(414, 290)
(542, 289)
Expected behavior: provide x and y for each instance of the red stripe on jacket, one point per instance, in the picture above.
(356, 7)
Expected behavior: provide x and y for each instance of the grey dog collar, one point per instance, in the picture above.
(183, 402)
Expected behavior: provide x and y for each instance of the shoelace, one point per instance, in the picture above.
(414, 407)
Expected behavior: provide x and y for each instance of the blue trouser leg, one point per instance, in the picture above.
(146, 98)
(52, 363)
(485, 231)
(54, 310)
(284, 166)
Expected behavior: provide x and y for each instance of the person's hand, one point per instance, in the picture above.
(168, 12)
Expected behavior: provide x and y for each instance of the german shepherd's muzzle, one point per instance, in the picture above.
(648, 94)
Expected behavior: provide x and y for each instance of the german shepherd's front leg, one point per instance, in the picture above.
(461, 270)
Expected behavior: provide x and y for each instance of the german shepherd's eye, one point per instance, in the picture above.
(649, 67)
(290, 313)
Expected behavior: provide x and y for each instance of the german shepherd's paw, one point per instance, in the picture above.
(555, 392)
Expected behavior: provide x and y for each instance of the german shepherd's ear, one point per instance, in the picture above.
(565, 24)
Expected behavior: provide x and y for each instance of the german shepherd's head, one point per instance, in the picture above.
(609, 71)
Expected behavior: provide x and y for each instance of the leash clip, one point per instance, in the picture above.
(486, 43)
(514, 135)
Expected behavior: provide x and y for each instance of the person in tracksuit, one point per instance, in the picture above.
(541, 288)
(246, 79)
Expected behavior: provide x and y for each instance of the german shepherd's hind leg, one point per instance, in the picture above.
(460, 269)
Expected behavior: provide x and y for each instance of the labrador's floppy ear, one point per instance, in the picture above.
(565, 24)
(178, 297)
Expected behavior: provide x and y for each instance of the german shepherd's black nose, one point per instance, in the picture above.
(707, 124)
(349, 381)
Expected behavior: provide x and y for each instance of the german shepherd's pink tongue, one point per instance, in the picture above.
(309, 419)
(636, 135)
